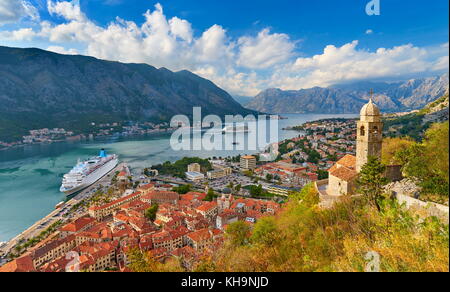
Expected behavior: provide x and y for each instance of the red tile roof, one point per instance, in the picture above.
(344, 173)
(207, 206)
(22, 264)
(203, 234)
(78, 224)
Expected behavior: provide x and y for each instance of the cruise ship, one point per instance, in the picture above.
(85, 173)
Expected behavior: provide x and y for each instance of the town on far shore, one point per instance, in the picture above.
(92, 131)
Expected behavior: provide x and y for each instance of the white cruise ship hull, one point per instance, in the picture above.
(92, 178)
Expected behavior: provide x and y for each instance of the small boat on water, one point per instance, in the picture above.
(235, 129)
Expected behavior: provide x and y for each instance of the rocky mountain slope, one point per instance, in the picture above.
(44, 89)
(415, 123)
(349, 98)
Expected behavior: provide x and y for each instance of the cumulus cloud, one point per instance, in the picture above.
(62, 50)
(369, 31)
(242, 66)
(67, 10)
(14, 10)
(348, 63)
(264, 51)
(23, 34)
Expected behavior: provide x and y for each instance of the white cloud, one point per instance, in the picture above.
(264, 51)
(14, 10)
(348, 63)
(181, 28)
(62, 50)
(23, 34)
(369, 31)
(242, 66)
(68, 10)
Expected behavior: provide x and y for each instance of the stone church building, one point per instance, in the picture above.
(342, 176)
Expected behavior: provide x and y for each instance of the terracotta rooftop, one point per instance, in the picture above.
(77, 224)
(248, 157)
(207, 206)
(348, 161)
(161, 195)
(344, 173)
(22, 264)
(203, 234)
(147, 186)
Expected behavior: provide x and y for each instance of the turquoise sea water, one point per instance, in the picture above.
(30, 176)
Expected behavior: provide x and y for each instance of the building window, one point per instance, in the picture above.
(375, 130)
(363, 131)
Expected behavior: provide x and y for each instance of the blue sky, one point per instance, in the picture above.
(243, 46)
(317, 23)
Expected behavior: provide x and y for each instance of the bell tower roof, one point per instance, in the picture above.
(370, 109)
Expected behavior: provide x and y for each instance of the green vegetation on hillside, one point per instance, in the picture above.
(371, 181)
(410, 125)
(438, 104)
(426, 161)
(304, 238)
(97, 91)
(414, 124)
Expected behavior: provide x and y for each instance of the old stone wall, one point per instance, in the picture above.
(394, 173)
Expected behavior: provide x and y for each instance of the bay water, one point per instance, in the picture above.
(30, 176)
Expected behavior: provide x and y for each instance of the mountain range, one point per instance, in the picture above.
(349, 98)
(44, 89)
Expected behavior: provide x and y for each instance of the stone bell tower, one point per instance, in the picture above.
(370, 134)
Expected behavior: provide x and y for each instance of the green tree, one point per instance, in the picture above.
(139, 262)
(371, 180)
(256, 191)
(238, 233)
(210, 196)
(150, 213)
(142, 262)
(322, 174)
(183, 189)
(265, 231)
(429, 161)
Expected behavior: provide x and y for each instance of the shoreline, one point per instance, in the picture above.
(82, 140)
